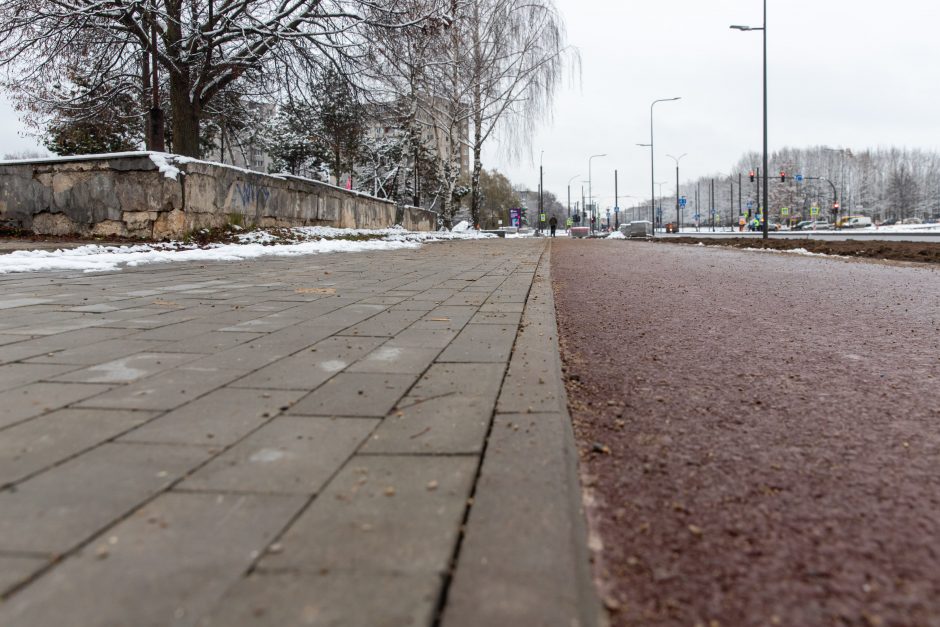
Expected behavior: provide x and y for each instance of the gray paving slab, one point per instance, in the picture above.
(35, 399)
(6, 339)
(528, 481)
(289, 455)
(385, 324)
(425, 338)
(381, 515)
(168, 564)
(26, 350)
(127, 369)
(178, 331)
(309, 368)
(414, 305)
(328, 599)
(447, 412)
(481, 343)
(355, 394)
(104, 351)
(466, 298)
(58, 510)
(393, 358)
(17, 374)
(219, 418)
(496, 317)
(164, 391)
(208, 343)
(34, 445)
(15, 569)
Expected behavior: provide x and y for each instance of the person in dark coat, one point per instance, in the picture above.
(553, 223)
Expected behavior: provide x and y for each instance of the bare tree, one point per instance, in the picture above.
(201, 46)
(517, 52)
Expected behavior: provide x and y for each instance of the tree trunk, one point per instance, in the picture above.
(475, 196)
(186, 116)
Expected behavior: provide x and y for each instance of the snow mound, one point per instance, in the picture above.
(248, 245)
(616, 235)
(165, 165)
(461, 227)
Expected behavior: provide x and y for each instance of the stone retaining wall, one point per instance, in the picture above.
(150, 195)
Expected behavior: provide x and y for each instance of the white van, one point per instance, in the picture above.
(856, 222)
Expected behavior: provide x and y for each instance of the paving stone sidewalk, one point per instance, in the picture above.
(349, 439)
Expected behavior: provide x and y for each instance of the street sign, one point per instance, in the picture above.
(682, 201)
(784, 211)
(750, 204)
(697, 216)
(542, 217)
(616, 209)
(814, 210)
(569, 222)
(799, 178)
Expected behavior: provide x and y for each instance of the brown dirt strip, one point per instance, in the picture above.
(922, 252)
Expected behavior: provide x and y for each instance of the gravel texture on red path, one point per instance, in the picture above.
(759, 433)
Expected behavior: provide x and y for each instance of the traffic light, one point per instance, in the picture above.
(835, 207)
(752, 176)
(783, 176)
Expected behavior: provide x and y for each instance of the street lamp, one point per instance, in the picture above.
(652, 160)
(569, 193)
(538, 231)
(678, 219)
(660, 212)
(765, 198)
(590, 197)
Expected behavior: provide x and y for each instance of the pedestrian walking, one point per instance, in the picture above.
(553, 223)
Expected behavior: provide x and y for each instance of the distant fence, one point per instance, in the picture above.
(154, 195)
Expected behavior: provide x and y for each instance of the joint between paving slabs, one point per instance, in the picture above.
(455, 558)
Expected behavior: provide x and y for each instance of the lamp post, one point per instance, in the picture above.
(765, 198)
(652, 159)
(660, 183)
(538, 231)
(569, 193)
(590, 197)
(677, 160)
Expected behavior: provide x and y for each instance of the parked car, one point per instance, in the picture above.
(912, 221)
(889, 222)
(672, 227)
(821, 225)
(803, 225)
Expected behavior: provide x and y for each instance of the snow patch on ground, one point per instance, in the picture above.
(461, 227)
(249, 245)
(616, 235)
(791, 251)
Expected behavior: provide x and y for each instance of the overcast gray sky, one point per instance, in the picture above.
(854, 73)
(851, 73)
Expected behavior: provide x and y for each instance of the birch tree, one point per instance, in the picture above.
(517, 51)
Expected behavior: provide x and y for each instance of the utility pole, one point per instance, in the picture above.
(711, 201)
(541, 206)
(616, 203)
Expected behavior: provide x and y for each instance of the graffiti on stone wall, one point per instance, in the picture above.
(252, 195)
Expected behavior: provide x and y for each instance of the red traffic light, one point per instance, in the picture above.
(835, 206)
(783, 176)
(752, 176)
